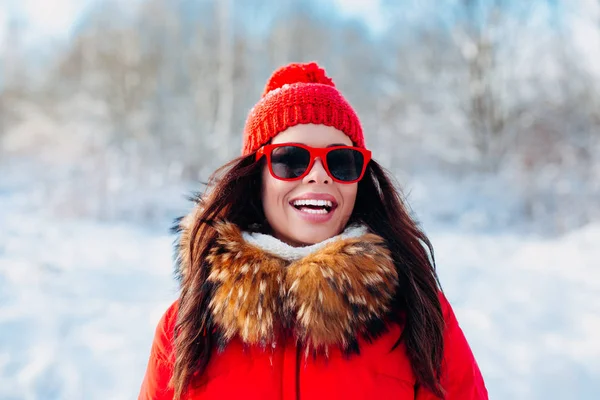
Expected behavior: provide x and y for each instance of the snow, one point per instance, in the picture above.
(530, 308)
(79, 302)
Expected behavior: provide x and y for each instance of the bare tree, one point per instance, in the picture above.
(171, 83)
(479, 35)
(223, 123)
(13, 73)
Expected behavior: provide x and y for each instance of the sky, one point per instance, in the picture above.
(39, 21)
(369, 10)
(54, 19)
(42, 18)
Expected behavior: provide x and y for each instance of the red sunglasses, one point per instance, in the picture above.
(292, 161)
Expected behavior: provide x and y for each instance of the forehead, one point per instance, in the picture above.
(312, 135)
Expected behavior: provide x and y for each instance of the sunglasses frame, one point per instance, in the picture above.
(314, 152)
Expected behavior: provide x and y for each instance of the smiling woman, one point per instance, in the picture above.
(308, 195)
(302, 273)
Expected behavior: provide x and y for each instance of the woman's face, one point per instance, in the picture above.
(300, 225)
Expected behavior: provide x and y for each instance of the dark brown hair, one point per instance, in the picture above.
(233, 194)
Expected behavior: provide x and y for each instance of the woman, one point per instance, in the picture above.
(302, 274)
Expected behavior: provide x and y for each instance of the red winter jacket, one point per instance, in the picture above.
(245, 370)
(376, 373)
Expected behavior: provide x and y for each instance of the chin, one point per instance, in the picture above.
(312, 235)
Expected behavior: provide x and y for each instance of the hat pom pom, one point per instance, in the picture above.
(297, 73)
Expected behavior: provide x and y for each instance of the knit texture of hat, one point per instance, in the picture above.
(299, 94)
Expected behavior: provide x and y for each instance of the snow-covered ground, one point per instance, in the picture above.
(79, 302)
(530, 309)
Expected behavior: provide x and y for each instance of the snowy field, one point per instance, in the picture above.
(79, 302)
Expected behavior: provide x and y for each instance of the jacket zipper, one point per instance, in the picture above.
(298, 358)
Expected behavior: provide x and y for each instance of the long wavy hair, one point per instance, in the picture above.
(233, 194)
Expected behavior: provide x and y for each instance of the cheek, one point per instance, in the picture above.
(269, 187)
(348, 193)
(273, 193)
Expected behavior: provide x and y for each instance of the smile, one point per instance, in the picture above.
(313, 206)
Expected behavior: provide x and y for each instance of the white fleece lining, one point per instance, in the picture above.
(283, 250)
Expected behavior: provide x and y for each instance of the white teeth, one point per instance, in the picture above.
(311, 202)
(308, 210)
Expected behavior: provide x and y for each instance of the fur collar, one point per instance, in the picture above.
(325, 295)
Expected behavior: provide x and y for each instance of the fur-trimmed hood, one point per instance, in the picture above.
(262, 289)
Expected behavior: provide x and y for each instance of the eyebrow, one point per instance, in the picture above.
(337, 144)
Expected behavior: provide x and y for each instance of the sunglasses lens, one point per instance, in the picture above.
(289, 162)
(345, 164)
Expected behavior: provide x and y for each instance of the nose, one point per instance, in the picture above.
(317, 174)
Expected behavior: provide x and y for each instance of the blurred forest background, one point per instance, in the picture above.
(487, 111)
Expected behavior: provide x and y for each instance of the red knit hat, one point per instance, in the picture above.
(299, 94)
